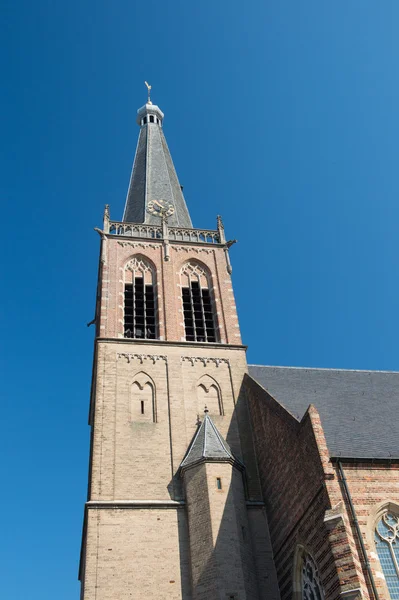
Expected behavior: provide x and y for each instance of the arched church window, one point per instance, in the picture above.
(198, 305)
(311, 584)
(387, 544)
(140, 310)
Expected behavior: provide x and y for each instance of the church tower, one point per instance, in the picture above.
(174, 505)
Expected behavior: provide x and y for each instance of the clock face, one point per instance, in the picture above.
(160, 208)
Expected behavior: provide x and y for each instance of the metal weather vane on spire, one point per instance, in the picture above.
(149, 92)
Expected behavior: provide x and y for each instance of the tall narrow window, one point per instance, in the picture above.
(311, 584)
(140, 313)
(387, 544)
(199, 318)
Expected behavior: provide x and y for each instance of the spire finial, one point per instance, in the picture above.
(206, 411)
(149, 92)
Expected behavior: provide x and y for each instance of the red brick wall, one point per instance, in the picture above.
(372, 487)
(118, 251)
(298, 484)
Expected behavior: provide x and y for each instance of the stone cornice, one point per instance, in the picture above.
(135, 504)
(141, 357)
(182, 344)
(204, 360)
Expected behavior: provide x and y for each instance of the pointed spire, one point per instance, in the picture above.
(208, 445)
(154, 181)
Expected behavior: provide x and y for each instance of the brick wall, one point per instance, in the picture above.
(137, 553)
(221, 548)
(301, 492)
(373, 487)
(117, 252)
(135, 456)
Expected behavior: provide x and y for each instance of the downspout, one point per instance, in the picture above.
(359, 533)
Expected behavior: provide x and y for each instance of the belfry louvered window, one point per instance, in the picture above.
(198, 309)
(140, 309)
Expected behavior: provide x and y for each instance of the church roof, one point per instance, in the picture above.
(208, 445)
(358, 409)
(153, 175)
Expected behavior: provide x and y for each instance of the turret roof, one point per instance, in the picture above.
(208, 445)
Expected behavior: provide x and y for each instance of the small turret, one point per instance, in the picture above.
(222, 564)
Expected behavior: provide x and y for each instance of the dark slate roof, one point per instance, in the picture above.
(154, 178)
(208, 444)
(358, 409)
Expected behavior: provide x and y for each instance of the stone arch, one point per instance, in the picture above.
(142, 403)
(303, 562)
(209, 395)
(138, 263)
(197, 269)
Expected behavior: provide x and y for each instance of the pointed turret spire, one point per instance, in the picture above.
(154, 184)
(208, 445)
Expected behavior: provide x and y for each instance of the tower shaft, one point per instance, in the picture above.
(167, 344)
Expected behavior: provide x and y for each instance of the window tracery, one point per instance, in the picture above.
(387, 545)
(198, 307)
(311, 584)
(140, 310)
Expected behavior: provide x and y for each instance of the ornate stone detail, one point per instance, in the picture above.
(141, 357)
(204, 360)
(194, 269)
(206, 236)
(138, 264)
(138, 245)
(138, 230)
(192, 249)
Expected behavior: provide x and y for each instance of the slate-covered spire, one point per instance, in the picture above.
(208, 445)
(153, 175)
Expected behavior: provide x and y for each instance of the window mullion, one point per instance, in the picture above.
(192, 307)
(144, 307)
(394, 559)
(134, 303)
(202, 311)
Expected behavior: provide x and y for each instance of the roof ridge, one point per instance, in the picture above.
(324, 369)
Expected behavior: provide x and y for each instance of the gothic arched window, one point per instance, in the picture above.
(387, 544)
(311, 584)
(140, 312)
(198, 307)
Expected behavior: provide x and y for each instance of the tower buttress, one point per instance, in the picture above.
(220, 540)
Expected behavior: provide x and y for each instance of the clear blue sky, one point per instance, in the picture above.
(281, 115)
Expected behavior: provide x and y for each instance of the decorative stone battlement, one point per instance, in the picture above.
(174, 234)
(164, 232)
